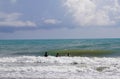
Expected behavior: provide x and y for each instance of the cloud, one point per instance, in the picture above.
(51, 21)
(12, 20)
(17, 23)
(94, 12)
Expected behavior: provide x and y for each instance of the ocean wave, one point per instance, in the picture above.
(38, 67)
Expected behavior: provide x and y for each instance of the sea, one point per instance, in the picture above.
(24, 59)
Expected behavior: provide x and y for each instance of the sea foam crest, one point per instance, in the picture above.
(59, 67)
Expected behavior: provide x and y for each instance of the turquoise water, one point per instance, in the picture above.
(38, 47)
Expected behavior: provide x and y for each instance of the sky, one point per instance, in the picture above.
(59, 19)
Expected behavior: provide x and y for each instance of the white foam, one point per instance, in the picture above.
(59, 67)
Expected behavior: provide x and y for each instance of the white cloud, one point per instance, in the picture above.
(94, 12)
(12, 20)
(17, 23)
(51, 21)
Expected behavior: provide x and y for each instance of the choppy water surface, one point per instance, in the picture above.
(32, 67)
(23, 59)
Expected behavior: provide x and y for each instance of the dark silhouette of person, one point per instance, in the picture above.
(57, 55)
(46, 54)
(68, 54)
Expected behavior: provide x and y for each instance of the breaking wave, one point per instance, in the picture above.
(37, 67)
